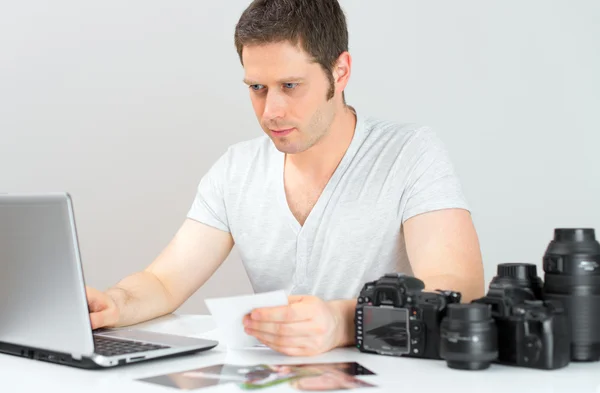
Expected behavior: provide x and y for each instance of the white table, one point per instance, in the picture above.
(393, 374)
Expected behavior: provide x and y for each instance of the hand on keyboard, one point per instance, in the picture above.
(103, 309)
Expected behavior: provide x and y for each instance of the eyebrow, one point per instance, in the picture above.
(283, 80)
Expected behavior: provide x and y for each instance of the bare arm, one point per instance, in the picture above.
(188, 261)
(444, 252)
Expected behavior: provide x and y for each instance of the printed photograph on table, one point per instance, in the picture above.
(330, 376)
(201, 378)
(303, 377)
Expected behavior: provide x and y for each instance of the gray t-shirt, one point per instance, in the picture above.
(389, 173)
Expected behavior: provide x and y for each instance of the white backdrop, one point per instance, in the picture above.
(127, 104)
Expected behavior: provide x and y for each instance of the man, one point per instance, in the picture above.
(329, 199)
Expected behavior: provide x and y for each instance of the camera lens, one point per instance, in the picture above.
(523, 275)
(469, 339)
(518, 271)
(512, 284)
(572, 277)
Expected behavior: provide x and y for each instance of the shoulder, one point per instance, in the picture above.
(397, 132)
(403, 140)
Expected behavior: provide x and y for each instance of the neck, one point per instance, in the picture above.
(323, 157)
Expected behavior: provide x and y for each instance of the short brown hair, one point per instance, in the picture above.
(319, 26)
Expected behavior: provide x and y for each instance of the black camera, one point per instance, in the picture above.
(395, 317)
(532, 332)
(572, 277)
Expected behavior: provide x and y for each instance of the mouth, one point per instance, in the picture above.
(282, 132)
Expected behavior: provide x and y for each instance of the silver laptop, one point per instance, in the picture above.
(43, 306)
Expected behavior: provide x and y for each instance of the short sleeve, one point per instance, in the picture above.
(433, 183)
(209, 205)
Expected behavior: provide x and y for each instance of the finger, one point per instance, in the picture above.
(295, 298)
(94, 299)
(295, 312)
(104, 318)
(309, 344)
(288, 351)
(292, 351)
(303, 328)
(280, 341)
(97, 319)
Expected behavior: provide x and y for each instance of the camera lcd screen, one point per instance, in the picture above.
(386, 330)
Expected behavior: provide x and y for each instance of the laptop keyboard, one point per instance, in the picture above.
(108, 346)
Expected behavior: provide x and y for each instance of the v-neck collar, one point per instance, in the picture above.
(331, 185)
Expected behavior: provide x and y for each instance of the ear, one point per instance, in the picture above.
(341, 71)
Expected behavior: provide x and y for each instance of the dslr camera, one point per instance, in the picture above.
(532, 332)
(395, 317)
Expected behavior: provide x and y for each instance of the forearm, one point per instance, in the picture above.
(140, 297)
(344, 312)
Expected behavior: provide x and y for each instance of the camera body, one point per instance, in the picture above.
(535, 335)
(395, 317)
(532, 332)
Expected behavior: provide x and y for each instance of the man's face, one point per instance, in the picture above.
(289, 95)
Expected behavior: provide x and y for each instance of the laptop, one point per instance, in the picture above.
(43, 305)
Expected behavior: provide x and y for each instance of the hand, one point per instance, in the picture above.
(306, 326)
(103, 309)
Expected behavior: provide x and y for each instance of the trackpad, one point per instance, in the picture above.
(155, 338)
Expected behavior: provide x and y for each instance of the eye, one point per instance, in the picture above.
(290, 85)
(256, 87)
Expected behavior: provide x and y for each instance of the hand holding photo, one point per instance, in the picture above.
(229, 312)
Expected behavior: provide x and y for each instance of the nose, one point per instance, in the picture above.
(274, 106)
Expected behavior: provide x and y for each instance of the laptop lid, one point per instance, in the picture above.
(42, 292)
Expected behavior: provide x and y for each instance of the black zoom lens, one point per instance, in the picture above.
(469, 339)
(572, 276)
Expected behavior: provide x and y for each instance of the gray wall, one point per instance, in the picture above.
(126, 105)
